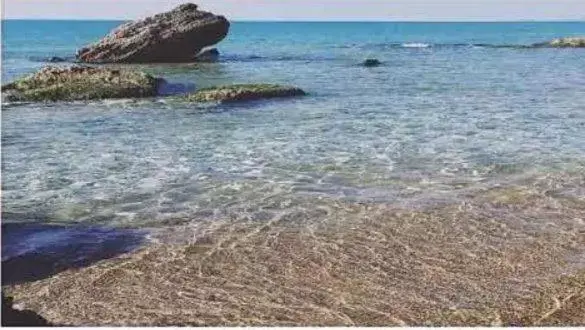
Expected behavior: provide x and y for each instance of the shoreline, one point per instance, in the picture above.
(502, 258)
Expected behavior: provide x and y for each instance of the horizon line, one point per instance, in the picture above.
(245, 20)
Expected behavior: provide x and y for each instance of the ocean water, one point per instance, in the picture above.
(456, 107)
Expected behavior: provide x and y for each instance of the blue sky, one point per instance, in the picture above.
(361, 10)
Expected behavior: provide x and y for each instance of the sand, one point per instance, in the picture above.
(504, 256)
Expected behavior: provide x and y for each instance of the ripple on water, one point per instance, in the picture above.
(440, 124)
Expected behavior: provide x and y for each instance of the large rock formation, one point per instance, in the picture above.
(569, 42)
(81, 83)
(175, 36)
(244, 92)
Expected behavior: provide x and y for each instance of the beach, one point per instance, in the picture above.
(508, 257)
(443, 186)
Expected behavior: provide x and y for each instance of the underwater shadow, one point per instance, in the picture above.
(12, 317)
(166, 88)
(34, 251)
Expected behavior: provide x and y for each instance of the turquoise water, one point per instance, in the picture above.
(450, 111)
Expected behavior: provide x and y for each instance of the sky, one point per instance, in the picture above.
(308, 10)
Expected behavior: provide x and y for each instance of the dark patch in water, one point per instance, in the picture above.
(53, 59)
(167, 89)
(277, 58)
(33, 251)
(12, 317)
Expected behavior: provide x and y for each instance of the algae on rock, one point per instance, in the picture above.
(243, 92)
(568, 42)
(81, 83)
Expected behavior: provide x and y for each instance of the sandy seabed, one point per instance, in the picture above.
(505, 256)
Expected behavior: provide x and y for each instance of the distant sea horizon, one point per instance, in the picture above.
(116, 19)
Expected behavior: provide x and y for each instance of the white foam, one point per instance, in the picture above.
(415, 45)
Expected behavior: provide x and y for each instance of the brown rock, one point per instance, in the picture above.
(174, 36)
(244, 92)
(81, 83)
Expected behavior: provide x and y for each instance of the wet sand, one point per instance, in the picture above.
(505, 256)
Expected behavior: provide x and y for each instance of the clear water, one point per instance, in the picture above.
(446, 113)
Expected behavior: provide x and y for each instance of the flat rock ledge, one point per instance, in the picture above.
(243, 92)
(569, 42)
(174, 36)
(80, 83)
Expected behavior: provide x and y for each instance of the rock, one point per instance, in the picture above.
(175, 36)
(210, 55)
(12, 317)
(51, 59)
(55, 59)
(569, 42)
(245, 92)
(81, 83)
(371, 62)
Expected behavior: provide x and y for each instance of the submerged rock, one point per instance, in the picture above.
(81, 83)
(12, 317)
(174, 36)
(371, 62)
(569, 42)
(243, 92)
(210, 55)
(56, 59)
(51, 59)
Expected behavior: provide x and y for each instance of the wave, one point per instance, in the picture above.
(276, 58)
(415, 45)
(68, 59)
(394, 45)
(364, 47)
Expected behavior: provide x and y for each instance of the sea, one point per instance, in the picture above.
(453, 109)
(450, 179)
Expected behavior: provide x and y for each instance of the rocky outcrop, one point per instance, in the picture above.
(371, 62)
(175, 36)
(569, 42)
(81, 83)
(246, 92)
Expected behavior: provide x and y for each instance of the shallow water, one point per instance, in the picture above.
(445, 187)
(440, 118)
(492, 261)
